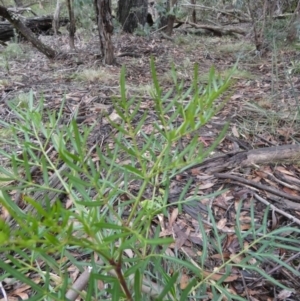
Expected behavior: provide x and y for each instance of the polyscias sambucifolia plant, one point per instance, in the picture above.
(109, 226)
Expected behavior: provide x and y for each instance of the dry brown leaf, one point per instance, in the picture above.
(166, 232)
(101, 285)
(20, 290)
(221, 256)
(284, 294)
(290, 191)
(114, 116)
(256, 179)
(245, 227)
(236, 258)
(204, 140)
(181, 237)
(173, 217)
(237, 204)
(161, 219)
(73, 272)
(99, 107)
(235, 131)
(261, 173)
(4, 213)
(169, 252)
(195, 171)
(23, 296)
(245, 219)
(254, 299)
(231, 242)
(252, 261)
(148, 129)
(221, 201)
(271, 183)
(221, 223)
(274, 220)
(191, 252)
(236, 96)
(205, 186)
(283, 170)
(184, 281)
(218, 276)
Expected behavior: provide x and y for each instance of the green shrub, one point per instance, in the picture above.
(109, 225)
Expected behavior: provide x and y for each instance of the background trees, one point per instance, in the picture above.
(134, 13)
(105, 29)
(131, 13)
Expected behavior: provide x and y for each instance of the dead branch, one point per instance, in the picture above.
(257, 185)
(289, 216)
(237, 13)
(219, 30)
(287, 154)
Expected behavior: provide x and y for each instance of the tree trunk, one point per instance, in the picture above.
(294, 25)
(171, 17)
(105, 29)
(163, 14)
(55, 21)
(131, 13)
(194, 17)
(18, 3)
(71, 27)
(27, 33)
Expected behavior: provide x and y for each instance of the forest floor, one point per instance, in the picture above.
(262, 110)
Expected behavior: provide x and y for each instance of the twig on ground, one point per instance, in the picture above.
(289, 216)
(79, 285)
(148, 287)
(3, 292)
(277, 267)
(272, 177)
(257, 185)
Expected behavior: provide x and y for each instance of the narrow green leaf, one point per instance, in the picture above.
(44, 168)
(116, 291)
(78, 145)
(168, 287)
(104, 225)
(133, 170)
(159, 241)
(19, 275)
(137, 286)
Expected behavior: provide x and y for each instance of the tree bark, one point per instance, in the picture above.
(72, 27)
(55, 21)
(131, 13)
(194, 17)
(294, 24)
(19, 3)
(171, 17)
(105, 29)
(163, 15)
(26, 32)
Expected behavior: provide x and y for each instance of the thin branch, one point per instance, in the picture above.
(79, 285)
(258, 185)
(289, 216)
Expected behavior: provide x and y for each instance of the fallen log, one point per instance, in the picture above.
(217, 30)
(39, 25)
(285, 154)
